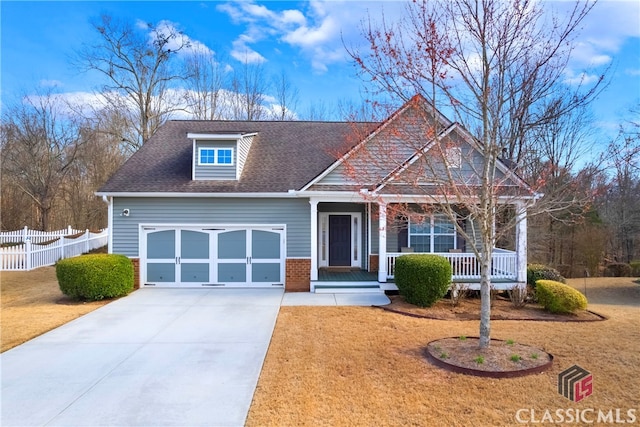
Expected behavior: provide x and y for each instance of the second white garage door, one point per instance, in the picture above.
(248, 256)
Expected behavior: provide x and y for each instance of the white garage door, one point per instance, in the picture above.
(213, 256)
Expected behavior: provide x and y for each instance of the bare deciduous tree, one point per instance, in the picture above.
(316, 111)
(204, 83)
(39, 144)
(248, 88)
(550, 158)
(135, 60)
(494, 66)
(96, 160)
(621, 204)
(287, 97)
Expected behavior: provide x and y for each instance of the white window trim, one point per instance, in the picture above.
(215, 156)
(432, 235)
(356, 238)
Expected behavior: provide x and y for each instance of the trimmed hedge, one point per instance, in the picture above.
(422, 279)
(95, 277)
(537, 272)
(635, 268)
(618, 269)
(557, 297)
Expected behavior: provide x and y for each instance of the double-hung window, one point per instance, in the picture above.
(434, 233)
(215, 156)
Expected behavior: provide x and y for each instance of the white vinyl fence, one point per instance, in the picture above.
(28, 249)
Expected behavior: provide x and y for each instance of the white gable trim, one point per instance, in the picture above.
(214, 136)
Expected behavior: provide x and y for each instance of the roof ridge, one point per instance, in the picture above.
(269, 121)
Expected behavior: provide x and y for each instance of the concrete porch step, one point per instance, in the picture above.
(346, 287)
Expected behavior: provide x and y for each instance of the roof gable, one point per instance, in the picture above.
(417, 146)
(386, 149)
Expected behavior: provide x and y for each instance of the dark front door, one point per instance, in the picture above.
(339, 240)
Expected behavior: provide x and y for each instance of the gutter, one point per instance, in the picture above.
(191, 195)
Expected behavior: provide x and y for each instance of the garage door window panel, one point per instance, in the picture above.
(194, 256)
(161, 248)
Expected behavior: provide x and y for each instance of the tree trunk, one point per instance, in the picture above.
(485, 293)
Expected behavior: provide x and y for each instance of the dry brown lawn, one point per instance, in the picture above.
(359, 366)
(32, 304)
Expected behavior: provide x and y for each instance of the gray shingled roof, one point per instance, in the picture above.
(284, 156)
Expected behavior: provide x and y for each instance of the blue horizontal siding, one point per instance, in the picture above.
(295, 213)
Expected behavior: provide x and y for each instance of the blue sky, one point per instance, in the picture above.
(304, 39)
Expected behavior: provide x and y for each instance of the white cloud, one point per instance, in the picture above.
(632, 71)
(50, 83)
(293, 17)
(310, 37)
(243, 53)
(589, 54)
(575, 79)
(71, 103)
(317, 29)
(604, 31)
(179, 41)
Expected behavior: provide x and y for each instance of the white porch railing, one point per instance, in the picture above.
(465, 265)
(28, 250)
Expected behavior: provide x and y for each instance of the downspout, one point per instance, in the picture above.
(109, 201)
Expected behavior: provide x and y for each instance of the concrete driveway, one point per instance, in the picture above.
(181, 357)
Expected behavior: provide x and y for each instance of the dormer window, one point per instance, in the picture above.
(215, 156)
(219, 156)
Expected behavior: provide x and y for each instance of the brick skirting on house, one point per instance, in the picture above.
(136, 272)
(373, 263)
(298, 275)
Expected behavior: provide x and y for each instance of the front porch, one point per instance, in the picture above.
(354, 247)
(464, 266)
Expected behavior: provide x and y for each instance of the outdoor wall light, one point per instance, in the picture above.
(125, 212)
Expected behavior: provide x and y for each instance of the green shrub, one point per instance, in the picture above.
(422, 279)
(635, 268)
(617, 269)
(557, 297)
(537, 272)
(95, 277)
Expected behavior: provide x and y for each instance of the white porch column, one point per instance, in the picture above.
(521, 242)
(382, 242)
(314, 239)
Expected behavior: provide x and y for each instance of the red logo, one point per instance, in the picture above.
(575, 383)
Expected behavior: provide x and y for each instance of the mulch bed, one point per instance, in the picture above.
(502, 359)
(469, 309)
